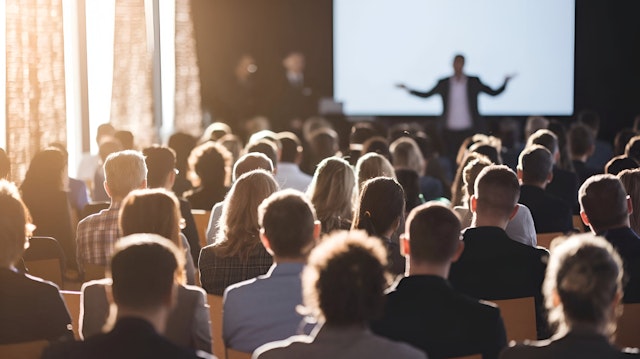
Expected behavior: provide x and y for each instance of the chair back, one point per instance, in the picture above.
(72, 300)
(92, 208)
(47, 269)
(45, 259)
(201, 217)
(519, 316)
(234, 354)
(628, 331)
(544, 239)
(215, 315)
(94, 271)
(26, 350)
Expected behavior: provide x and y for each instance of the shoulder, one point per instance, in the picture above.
(288, 348)
(528, 349)
(378, 344)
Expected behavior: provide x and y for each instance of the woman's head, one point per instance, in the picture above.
(154, 211)
(583, 284)
(210, 165)
(373, 165)
(47, 171)
(380, 206)
(332, 192)
(14, 224)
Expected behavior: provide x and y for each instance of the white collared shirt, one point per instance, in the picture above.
(458, 114)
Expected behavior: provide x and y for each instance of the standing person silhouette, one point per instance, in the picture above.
(459, 94)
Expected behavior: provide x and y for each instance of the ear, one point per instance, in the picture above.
(584, 218)
(474, 203)
(171, 179)
(265, 241)
(458, 252)
(143, 185)
(515, 211)
(550, 176)
(405, 248)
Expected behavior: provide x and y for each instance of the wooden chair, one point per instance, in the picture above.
(72, 299)
(45, 259)
(544, 239)
(628, 332)
(94, 271)
(215, 315)
(234, 354)
(201, 217)
(519, 316)
(26, 350)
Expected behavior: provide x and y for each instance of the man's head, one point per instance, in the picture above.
(210, 163)
(289, 225)
(124, 171)
(267, 147)
(535, 166)
(104, 131)
(294, 62)
(144, 268)
(14, 223)
(496, 194)
(458, 64)
(604, 203)
(432, 236)
(250, 162)
(581, 141)
(161, 165)
(291, 147)
(547, 139)
(632, 149)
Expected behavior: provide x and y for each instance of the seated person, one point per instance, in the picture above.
(263, 309)
(30, 308)
(585, 315)
(144, 295)
(581, 146)
(343, 287)
(423, 309)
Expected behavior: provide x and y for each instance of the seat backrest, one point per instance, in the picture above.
(72, 300)
(544, 239)
(47, 269)
(519, 316)
(45, 259)
(628, 331)
(26, 350)
(215, 314)
(234, 354)
(201, 217)
(94, 271)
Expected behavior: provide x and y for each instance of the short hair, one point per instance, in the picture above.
(14, 224)
(581, 139)
(544, 138)
(470, 173)
(124, 171)
(324, 142)
(151, 211)
(622, 138)
(291, 146)
(533, 124)
(104, 130)
(604, 200)
(491, 150)
(211, 163)
(108, 146)
(381, 202)
(267, 147)
(536, 163)
(373, 165)
(250, 162)
(143, 268)
(182, 143)
(497, 190)
(345, 278)
(288, 220)
(590, 119)
(458, 56)
(586, 273)
(434, 233)
(5, 164)
(160, 161)
(620, 163)
(632, 149)
(631, 181)
(406, 154)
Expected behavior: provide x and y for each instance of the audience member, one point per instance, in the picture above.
(622, 138)
(332, 192)
(372, 165)
(605, 207)
(619, 164)
(631, 181)
(343, 287)
(489, 149)
(125, 138)
(535, 171)
(233, 144)
(30, 308)
(144, 295)
(422, 309)
(238, 254)
(97, 234)
(44, 192)
(409, 180)
(533, 124)
(324, 143)
(182, 143)
(377, 144)
(602, 151)
(267, 147)
(289, 174)
(632, 150)
(76, 191)
(89, 163)
(559, 129)
(209, 164)
(582, 289)
(493, 266)
(581, 147)
(215, 131)
(263, 309)
(406, 154)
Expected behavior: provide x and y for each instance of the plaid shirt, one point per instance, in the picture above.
(217, 273)
(97, 235)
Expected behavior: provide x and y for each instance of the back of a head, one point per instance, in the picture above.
(266, 147)
(124, 171)
(536, 163)
(137, 285)
(410, 182)
(590, 119)
(470, 174)
(581, 140)
(14, 218)
(361, 132)
(291, 147)
(288, 220)
(619, 164)
(373, 165)
(104, 130)
(632, 150)
(377, 144)
(108, 146)
(160, 161)
(324, 142)
(405, 153)
(604, 200)
(381, 203)
(151, 211)
(5, 164)
(182, 143)
(434, 233)
(488, 150)
(312, 124)
(211, 163)
(622, 138)
(45, 171)
(585, 272)
(233, 144)
(497, 191)
(250, 162)
(544, 138)
(332, 190)
(125, 138)
(631, 181)
(215, 131)
(344, 280)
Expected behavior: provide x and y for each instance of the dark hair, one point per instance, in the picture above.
(211, 163)
(581, 140)
(125, 138)
(536, 163)
(251, 162)
(619, 164)
(151, 211)
(182, 143)
(161, 161)
(488, 150)
(45, 171)
(410, 182)
(288, 221)
(604, 200)
(434, 233)
(381, 203)
(631, 181)
(497, 190)
(291, 146)
(590, 119)
(622, 138)
(266, 147)
(632, 149)
(14, 219)
(544, 138)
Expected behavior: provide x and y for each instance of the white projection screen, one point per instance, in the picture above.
(379, 43)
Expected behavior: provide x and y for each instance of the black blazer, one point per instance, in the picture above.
(474, 88)
(564, 185)
(550, 213)
(427, 313)
(627, 243)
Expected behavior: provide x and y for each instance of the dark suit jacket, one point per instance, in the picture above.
(493, 267)
(627, 243)
(474, 88)
(584, 172)
(427, 313)
(130, 338)
(575, 344)
(550, 213)
(564, 185)
(31, 309)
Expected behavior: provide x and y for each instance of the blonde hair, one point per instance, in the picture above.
(373, 165)
(406, 154)
(332, 192)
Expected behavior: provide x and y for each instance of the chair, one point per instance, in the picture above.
(234, 354)
(628, 332)
(26, 350)
(544, 239)
(201, 217)
(94, 271)
(215, 315)
(72, 299)
(519, 316)
(45, 259)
